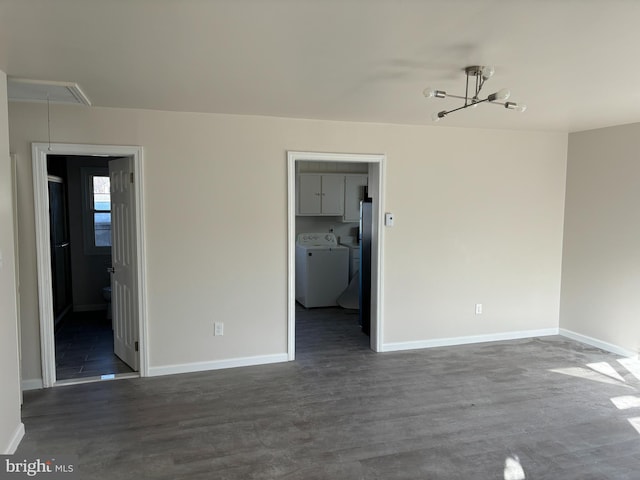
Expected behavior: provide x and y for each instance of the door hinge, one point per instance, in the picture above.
(131, 176)
(137, 346)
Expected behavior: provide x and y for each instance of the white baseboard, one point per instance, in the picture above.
(90, 307)
(15, 440)
(217, 364)
(594, 342)
(452, 341)
(32, 384)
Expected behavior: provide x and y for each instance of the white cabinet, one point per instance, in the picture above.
(320, 194)
(353, 193)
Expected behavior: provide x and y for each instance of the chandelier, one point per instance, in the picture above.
(479, 75)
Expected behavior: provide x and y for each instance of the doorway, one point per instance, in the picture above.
(341, 226)
(80, 213)
(108, 199)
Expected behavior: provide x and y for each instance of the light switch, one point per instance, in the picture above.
(388, 219)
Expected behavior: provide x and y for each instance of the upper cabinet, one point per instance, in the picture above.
(336, 195)
(354, 186)
(320, 194)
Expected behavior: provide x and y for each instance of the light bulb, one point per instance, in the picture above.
(502, 94)
(432, 92)
(487, 72)
(437, 116)
(499, 95)
(429, 92)
(515, 106)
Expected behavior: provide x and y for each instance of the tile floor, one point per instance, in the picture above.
(84, 347)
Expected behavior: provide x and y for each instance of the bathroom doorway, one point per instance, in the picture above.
(92, 254)
(81, 253)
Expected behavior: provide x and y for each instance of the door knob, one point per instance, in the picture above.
(111, 270)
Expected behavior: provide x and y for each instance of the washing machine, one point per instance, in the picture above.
(322, 269)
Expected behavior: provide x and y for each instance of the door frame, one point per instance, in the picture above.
(16, 251)
(39, 152)
(376, 190)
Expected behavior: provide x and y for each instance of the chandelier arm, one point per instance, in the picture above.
(466, 106)
(466, 91)
(460, 97)
(481, 81)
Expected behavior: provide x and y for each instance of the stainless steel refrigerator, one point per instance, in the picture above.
(365, 235)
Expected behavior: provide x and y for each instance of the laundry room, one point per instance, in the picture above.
(328, 231)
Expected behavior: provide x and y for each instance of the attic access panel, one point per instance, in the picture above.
(26, 90)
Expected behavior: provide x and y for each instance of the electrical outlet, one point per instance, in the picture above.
(478, 309)
(218, 329)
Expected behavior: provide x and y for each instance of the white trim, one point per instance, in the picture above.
(217, 364)
(594, 342)
(453, 341)
(377, 277)
(43, 261)
(92, 307)
(16, 438)
(16, 253)
(97, 378)
(377, 260)
(32, 384)
(39, 152)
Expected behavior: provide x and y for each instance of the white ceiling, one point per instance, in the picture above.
(573, 62)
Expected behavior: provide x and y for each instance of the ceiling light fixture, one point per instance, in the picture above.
(472, 99)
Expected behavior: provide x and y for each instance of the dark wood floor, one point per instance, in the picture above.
(550, 406)
(331, 332)
(84, 347)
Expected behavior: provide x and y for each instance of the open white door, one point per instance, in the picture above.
(124, 296)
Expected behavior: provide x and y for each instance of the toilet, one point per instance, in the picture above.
(106, 293)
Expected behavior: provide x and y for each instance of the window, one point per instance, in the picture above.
(97, 211)
(101, 211)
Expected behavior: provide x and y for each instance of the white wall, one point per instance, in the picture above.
(601, 263)
(478, 219)
(11, 429)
